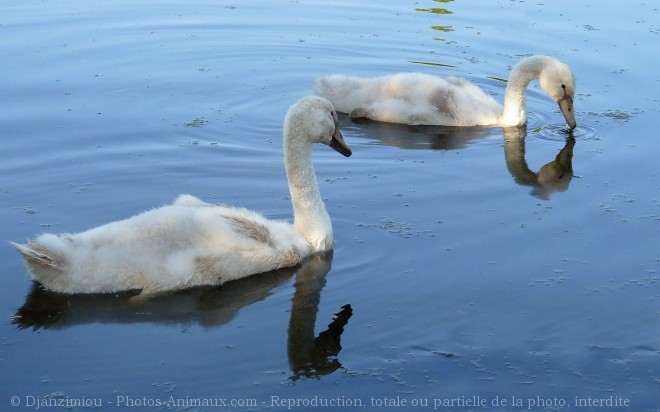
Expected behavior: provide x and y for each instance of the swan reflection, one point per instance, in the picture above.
(415, 137)
(554, 176)
(309, 355)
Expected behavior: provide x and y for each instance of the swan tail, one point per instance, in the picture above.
(33, 256)
(325, 86)
(340, 90)
(45, 264)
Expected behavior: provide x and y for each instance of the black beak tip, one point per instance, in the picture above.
(340, 146)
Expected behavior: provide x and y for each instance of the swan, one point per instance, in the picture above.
(191, 242)
(423, 99)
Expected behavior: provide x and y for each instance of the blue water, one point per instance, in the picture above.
(470, 287)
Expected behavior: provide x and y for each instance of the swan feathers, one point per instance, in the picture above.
(191, 242)
(424, 99)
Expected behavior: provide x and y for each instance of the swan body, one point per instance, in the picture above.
(191, 242)
(423, 99)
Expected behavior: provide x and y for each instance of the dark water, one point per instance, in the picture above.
(471, 286)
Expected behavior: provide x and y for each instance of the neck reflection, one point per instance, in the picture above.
(554, 176)
(310, 355)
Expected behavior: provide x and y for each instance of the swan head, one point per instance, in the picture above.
(314, 118)
(557, 80)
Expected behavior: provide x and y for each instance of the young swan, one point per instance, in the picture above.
(423, 99)
(193, 243)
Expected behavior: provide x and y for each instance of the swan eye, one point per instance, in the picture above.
(563, 86)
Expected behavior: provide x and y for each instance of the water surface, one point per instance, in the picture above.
(456, 276)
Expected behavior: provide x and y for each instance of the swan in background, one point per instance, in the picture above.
(423, 99)
(193, 243)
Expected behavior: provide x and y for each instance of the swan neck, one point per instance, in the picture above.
(310, 217)
(515, 110)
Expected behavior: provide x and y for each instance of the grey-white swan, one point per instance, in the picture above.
(423, 99)
(191, 242)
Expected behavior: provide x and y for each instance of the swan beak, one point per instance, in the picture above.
(339, 144)
(566, 107)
